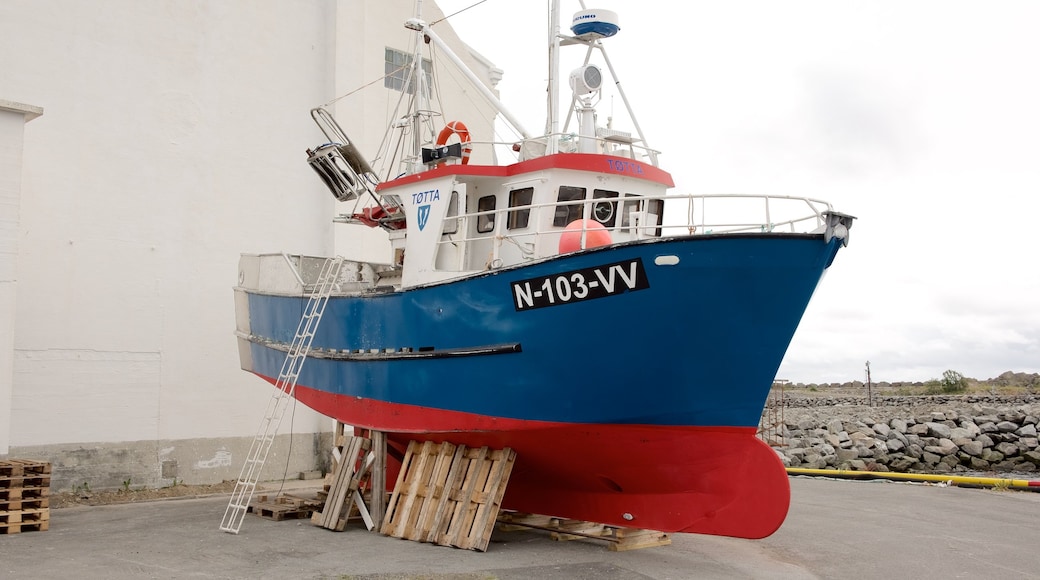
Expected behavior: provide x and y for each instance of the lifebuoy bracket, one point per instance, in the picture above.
(439, 154)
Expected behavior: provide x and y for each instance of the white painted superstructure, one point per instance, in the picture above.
(174, 138)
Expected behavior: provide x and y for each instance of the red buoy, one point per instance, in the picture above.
(595, 236)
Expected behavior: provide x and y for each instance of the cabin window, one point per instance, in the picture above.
(566, 214)
(632, 207)
(451, 222)
(605, 211)
(398, 65)
(655, 215)
(518, 218)
(486, 221)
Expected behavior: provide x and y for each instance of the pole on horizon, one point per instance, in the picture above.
(870, 396)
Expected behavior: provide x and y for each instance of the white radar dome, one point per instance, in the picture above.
(595, 24)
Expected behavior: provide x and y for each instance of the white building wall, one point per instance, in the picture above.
(13, 117)
(174, 139)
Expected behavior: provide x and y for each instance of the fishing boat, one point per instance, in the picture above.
(620, 337)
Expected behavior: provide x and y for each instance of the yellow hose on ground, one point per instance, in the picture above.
(995, 482)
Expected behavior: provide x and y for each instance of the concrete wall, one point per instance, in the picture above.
(174, 139)
(13, 117)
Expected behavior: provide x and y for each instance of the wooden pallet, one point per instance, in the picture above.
(448, 495)
(8, 505)
(16, 467)
(560, 529)
(284, 507)
(22, 493)
(17, 528)
(24, 490)
(343, 492)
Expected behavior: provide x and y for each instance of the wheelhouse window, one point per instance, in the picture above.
(631, 214)
(486, 221)
(566, 214)
(451, 222)
(398, 69)
(605, 210)
(519, 218)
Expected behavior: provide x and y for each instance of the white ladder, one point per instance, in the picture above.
(285, 386)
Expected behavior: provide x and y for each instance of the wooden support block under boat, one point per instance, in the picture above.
(562, 530)
(346, 481)
(448, 495)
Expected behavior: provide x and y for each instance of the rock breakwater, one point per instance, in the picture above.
(907, 434)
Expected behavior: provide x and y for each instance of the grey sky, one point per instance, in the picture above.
(919, 117)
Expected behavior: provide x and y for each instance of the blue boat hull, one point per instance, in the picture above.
(699, 346)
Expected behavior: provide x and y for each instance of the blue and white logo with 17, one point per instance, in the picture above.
(424, 216)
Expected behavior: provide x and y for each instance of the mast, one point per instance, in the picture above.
(553, 120)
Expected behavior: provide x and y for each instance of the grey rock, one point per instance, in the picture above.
(902, 463)
(945, 447)
(979, 464)
(861, 439)
(930, 459)
(986, 440)
(899, 425)
(1007, 427)
(1030, 420)
(1028, 430)
(1008, 449)
(1032, 457)
(835, 426)
(917, 429)
(858, 465)
(895, 445)
(988, 427)
(846, 454)
(973, 448)
(992, 455)
(938, 430)
(882, 430)
(970, 426)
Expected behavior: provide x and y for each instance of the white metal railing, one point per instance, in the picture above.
(640, 217)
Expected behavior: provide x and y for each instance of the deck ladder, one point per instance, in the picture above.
(284, 389)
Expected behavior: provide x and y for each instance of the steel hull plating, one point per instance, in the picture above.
(642, 401)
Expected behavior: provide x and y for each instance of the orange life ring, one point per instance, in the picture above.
(457, 128)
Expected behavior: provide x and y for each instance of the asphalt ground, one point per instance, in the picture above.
(835, 529)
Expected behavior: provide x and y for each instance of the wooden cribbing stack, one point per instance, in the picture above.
(448, 495)
(445, 494)
(346, 486)
(618, 539)
(25, 488)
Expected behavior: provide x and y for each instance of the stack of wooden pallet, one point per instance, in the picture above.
(25, 487)
(284, 507)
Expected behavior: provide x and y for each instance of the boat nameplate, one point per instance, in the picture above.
(580, 285)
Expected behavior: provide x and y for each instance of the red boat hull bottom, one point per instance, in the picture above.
(706, 480)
